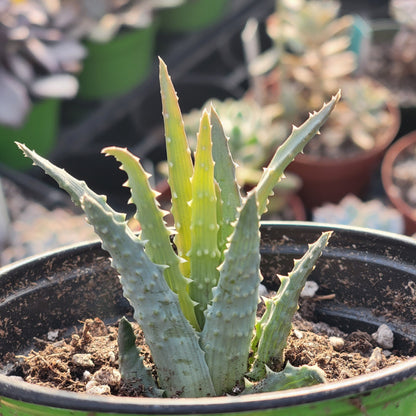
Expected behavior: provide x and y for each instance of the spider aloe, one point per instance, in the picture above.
(196, 304)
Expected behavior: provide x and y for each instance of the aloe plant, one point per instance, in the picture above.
(197, 305)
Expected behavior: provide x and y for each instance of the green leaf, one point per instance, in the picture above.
(204, 255)
(224, 173)
(289, 378)
(171, 338)
(272, 333)
(285, 153)
(153, 229)
(75, 188)
(179, 165)
(231, 316)
(131, 366)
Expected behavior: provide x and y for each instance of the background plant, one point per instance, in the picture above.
(404, 43)
(353, 211)
(197, 304)
(38, 56)
(102, 20)
(310, 59)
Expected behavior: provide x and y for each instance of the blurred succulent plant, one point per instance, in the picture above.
(352, 211)
(101, 20)
(404, 43)
(312, 46)
(311, 59)
(37, 56)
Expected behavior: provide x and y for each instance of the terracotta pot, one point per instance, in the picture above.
(329, 180)
(409, 213)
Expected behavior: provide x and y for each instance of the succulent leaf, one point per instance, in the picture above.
(224, 172)
(179, 165)
(204, 254)
(75, 188)
(272, 334)
(153, 229)
(293, 145)
(131, 366)
(231, 316)
(172, 340)
(289, 378)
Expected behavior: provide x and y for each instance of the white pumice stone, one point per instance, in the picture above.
(384, 337)
(309, 289)
(83, 360)
(375, 359)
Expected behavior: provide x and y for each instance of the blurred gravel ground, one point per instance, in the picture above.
(28, 228)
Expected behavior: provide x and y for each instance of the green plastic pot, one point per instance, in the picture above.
(192, 15)
(361, 267)
(39, 131)
(117, 66)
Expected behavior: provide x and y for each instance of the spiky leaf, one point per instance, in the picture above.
(231, 316)
(273, 330)
(204, 254)
(289, 378)
(75, 188)
(224, 172)
(131, 366)
(285, 153)
(179, 165)
(153, 229)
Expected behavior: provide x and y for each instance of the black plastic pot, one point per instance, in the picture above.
(372, 274)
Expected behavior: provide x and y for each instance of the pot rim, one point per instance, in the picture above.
(19, 390)
(46, 396)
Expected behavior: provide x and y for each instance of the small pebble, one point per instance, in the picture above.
(375, 359)
(111, 357)
(53, 335)
(263, 291)
(309, 289)
(384, 337)
(298, 334)
(337, 343)
(93, 387)
(86, 375)
(107, 375)
(83, 360)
